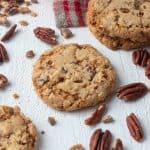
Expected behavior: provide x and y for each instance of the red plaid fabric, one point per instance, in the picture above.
(70, 13)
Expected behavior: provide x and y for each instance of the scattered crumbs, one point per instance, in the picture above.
(23, 23)
(15, 95)
(52, 120)
(30, 54)
(107, 119)
(42, 132)
(27, 2)
(66, 33)
(33, 14)
(77, 147)
(34, 1)
(24, 10)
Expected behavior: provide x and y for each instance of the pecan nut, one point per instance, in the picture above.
(106, 140)
(140, 57)
(100, 140)
(118, 145)
(134, 127)
(9, 33)
(46, 35)
(96, 136)
(96, 116)
(3, 54)
(132, 91)
(3, 81)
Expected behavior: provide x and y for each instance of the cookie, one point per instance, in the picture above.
(120, 23)
(17, 132)
(71, 76)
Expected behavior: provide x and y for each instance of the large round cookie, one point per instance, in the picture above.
(120, 23)
(70, 77)
(16, 131)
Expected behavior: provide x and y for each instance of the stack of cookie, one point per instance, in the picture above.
(120, 23)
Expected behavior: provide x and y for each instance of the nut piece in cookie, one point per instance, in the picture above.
(71, 76)
(16, 130)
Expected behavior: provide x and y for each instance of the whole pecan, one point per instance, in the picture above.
(134, 127)
(3, 54)
(47, 35)
(140, 57)
(9, 33)
(118, 145)
(100, 140)
(96, 116)
(3, 81)
(132, 91)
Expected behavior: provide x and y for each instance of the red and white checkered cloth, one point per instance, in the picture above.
(70, 13)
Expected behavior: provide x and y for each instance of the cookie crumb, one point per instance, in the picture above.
(33, 14)
(15, 95)
(30, 54)
(66, 33)
(23, 23)
(34, 1)
(107, 119)
(52, 120)
(24, 10)
(76, 147)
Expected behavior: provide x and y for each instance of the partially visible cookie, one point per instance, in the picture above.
(120, 23)
(17, 132)
(71, 76)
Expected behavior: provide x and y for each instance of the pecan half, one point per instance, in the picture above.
(132, 91)
(134, 127)
(3, 81)
(9, 33)
(46, 35)
(140, 57)
(118, 145)
(106, 140)
(96, 116)
(94, 140)
(100, 140)
(3, 54)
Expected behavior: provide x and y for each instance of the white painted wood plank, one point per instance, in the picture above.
(70, 128)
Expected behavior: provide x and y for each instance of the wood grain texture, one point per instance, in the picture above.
(70, 128)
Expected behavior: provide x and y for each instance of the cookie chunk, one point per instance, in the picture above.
(70, 77)
(120, 23)
(16, 131)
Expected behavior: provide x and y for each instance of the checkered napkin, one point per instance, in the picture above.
(70, 13)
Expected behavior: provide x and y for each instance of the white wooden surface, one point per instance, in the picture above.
(70, 128)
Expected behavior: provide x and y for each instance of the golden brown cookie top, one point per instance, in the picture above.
(123, 19)
(72, 76)
(16, 131)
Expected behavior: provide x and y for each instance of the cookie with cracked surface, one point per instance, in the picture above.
(120, 23)
(71, 76)
(17, 132)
